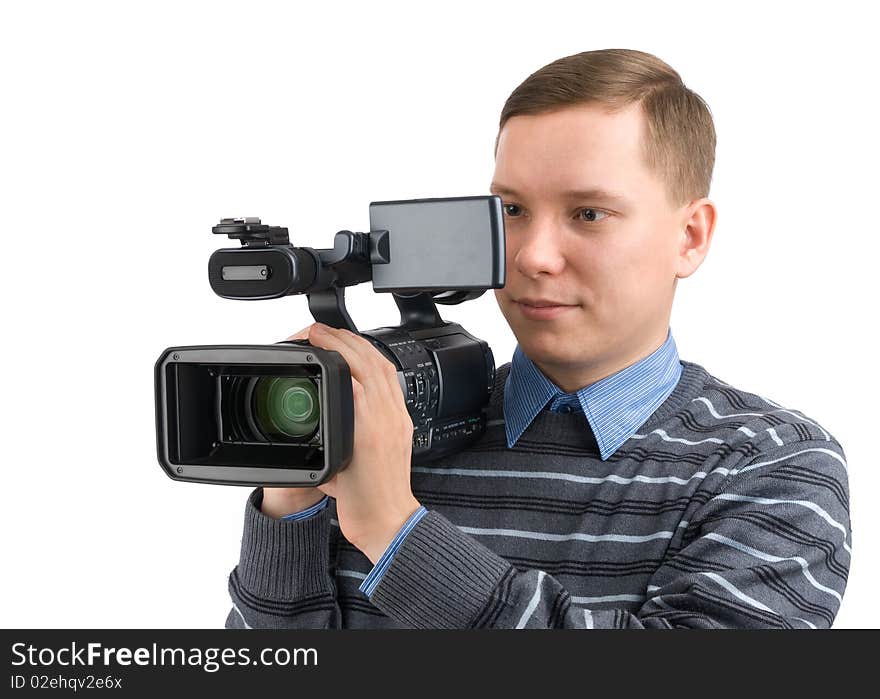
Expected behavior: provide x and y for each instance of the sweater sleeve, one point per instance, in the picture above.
(769, 549)
(283, 578)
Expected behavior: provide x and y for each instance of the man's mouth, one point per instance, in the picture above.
(540, 302)
(541, 308)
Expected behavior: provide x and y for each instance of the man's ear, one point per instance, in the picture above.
(697, 226)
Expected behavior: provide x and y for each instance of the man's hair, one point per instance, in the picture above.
(679, 136)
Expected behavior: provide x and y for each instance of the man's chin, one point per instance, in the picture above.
(551, 349)
(555, 340)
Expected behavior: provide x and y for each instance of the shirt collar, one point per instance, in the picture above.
(615, 407)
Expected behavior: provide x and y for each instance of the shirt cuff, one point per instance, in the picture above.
(375, 575)
(304, 514)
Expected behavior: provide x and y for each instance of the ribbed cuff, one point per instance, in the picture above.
(284, 560)
(439, 577)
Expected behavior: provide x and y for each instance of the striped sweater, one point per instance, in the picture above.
(724, 510)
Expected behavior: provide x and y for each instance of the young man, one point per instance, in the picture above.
(616, 486)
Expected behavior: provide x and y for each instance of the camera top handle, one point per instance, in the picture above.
(349, 262)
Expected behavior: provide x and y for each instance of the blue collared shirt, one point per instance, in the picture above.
(615, 407)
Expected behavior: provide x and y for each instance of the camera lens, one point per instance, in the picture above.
(287, 407)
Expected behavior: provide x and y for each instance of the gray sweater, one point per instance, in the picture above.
(724, 510)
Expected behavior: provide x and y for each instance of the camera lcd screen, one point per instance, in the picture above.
(454, 243)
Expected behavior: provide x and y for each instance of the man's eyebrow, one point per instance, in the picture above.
(595, 193)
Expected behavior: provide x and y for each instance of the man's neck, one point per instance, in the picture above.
(573, 377)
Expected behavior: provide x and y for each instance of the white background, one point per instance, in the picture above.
(129, 129)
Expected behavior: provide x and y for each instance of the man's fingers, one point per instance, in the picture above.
(342, 340)
(366, 363)
(339, 341)
(301, 335)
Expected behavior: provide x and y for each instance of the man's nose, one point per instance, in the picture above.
(539, 252)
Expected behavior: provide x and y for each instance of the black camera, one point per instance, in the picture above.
(283, 414)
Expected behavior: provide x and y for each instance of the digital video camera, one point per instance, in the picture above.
(283, 414)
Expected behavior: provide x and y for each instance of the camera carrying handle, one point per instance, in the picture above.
(350, 261)
(417, 311)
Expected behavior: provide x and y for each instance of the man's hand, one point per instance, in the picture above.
(373, 494)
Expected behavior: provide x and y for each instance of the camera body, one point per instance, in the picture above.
(282, 414)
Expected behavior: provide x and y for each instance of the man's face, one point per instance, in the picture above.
(606, 259)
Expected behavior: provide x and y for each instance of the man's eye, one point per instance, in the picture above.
(592, 215)
(588, 215)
